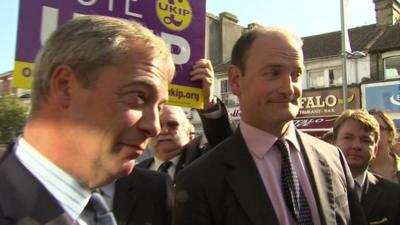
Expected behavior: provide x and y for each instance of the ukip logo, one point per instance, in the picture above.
(174, 14)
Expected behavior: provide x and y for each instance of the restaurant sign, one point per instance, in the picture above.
(327, 102)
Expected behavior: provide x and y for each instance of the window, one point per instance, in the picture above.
(316, 79)
(319, 78)
(335, 76)
(227, 97)
(392, 67)
(224, 86)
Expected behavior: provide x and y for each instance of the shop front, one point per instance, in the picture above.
(320, 108)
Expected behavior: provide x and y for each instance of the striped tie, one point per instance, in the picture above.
(291, 189)
(103, 215)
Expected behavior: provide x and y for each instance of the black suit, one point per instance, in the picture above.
(224, 187)
(23, 199)
(215, 130)
(144, 197)
(381, 201)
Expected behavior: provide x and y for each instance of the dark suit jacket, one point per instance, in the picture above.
(224, 187)
(215, 130)
(381, 201)
(23, 199)
(144, 197)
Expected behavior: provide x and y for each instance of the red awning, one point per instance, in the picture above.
(315, 126)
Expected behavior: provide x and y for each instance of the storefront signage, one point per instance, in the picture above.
(383, 95)
(326, 102)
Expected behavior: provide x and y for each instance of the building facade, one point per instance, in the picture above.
(375, 58)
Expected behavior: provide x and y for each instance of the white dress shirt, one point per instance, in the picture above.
(71, 195)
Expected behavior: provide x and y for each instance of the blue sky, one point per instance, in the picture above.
(306, 17)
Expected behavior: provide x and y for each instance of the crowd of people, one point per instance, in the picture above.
(100, 88)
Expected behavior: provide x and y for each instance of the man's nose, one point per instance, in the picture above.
(286, 85)
(150, 122)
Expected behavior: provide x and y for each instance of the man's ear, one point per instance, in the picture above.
(234, 75)
(61, 81)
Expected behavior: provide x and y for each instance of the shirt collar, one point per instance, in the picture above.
(68, 192)
(360, 180)
(158, 162)
(260, 142)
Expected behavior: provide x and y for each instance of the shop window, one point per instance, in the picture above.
(316, 79)
(392, 67)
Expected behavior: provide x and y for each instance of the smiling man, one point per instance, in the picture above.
(267, 172)
(356, 133)
(98, 86)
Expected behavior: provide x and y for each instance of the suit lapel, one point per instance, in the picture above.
(371, 193)
(146, 163)
(320, 178)
(125, 198)
(246, 183)
(181, 162)
(36, 202)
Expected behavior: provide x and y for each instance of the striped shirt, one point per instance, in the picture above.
(71, 196)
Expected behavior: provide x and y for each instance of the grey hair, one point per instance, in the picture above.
(88, 43)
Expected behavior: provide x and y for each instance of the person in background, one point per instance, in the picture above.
(175, 148)
(145, 196)
(98, 85)
(386, 162)
(267, 172)
(356, 133)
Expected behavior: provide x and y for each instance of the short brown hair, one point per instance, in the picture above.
(361, 116)
(243, 44)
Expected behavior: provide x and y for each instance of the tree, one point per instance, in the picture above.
(13, 115)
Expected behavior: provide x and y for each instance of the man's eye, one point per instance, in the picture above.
(172, 124)
(135, 100)
(272, 74)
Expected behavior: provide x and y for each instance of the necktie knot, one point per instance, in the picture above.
(165, 166)
(283, 146)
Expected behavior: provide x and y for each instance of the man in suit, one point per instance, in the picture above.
(356, 133)
(175, 144)
(98, 85)
(267, 172)
(145, 196)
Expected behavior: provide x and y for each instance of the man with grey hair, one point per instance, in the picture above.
(267, 172)
(175, 148)
(98, 86)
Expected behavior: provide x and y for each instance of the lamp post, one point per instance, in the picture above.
(344, 44)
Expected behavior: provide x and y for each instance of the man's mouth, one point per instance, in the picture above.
(164, 140)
